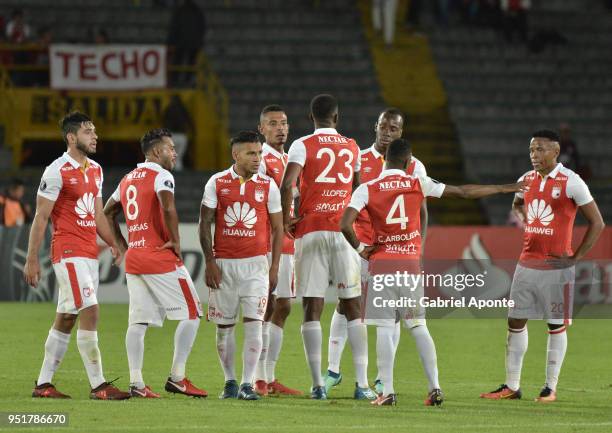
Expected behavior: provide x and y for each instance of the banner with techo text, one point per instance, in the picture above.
(107, 67)
(465, 269)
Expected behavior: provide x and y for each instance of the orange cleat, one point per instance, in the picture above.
(261, 388)
(503, 393)
(107, 391)
(185, 387)
(434, 398)
(547, 395)
(46, 390)
(145, 392)
(276, 387)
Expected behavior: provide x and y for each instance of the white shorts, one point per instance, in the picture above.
(244, 282)
(77, 278)
(384, 306)
(284, 287)
(153, 297)
(543, 294)
(325, 259)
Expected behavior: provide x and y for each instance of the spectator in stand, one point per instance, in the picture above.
(13, 211)
(178, 121)
(40, 57)
(383, 19)
(17, 30)
(186, 36)
(568, 152)
(515, 18)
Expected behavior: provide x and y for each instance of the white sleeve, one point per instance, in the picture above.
(164, 181)
(357, 167)
(262, 167)
(578, 191)
(274, 198)
(297, 153)
(210, 193)
(520, 194)
(101, 183)
(419, 169)
(51, 184)
(117, 194)
(431, 187)
(360, 197)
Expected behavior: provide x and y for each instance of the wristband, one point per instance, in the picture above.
(360, 248)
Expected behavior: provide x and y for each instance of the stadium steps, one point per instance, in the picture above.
(500, 93)
(409, 81)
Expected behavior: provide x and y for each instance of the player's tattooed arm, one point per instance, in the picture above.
(212, 273)
(286, 190)
(346, 226)
(479, 191)
(112, 209)
(104, 231)
(171, 222)
(31, 269)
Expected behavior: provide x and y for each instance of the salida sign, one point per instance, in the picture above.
(107, 67)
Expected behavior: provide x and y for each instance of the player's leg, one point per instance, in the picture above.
(337, 341)
(261, 376)
(385, 358)
(312, 275)
(284, 293)
(226, 350)
(250, 355)
(427, 353)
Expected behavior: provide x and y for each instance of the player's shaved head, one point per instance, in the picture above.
(152, 138)
(245, 137)
(392, 112)
(399, 153)
(324, 108)
(272, 108)
(547, 135)
(72, 122)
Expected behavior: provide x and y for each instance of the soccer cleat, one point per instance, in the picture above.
(261, 387)
(145, 392)
(364, 393)
(107, 391)
(434, 398)
(247, 392)
(502, 393)
(331, 379)
(46, 390)
(318, 393)
(547, 395)
(184, 387)
(381, 400)
(230, 390)
(275, 387)
(378, 387)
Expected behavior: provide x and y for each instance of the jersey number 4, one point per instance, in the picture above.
(402, 219)
(323, 177)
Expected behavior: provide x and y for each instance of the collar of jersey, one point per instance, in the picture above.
(73, 162)
(272, 150)
(242, 180)
(376, 153)
(553, 173)
(325, 131)
(149, 164)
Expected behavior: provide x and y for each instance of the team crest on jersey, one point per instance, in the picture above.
(367, 169)
(224, 191)
(43, 185)
(74, 181)
(169, 184)
(276, 170)
(259, 194)
(556, 191)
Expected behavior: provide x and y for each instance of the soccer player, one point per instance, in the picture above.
(70, 193)
(158, 283)
(275, 129)
(543, 283)
(327, 164)
(389, 126)
(244, 205)
(393, 202)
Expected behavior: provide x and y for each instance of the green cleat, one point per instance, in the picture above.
(331, 379)
(364, 393)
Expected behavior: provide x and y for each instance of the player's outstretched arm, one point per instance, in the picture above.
(105, 232)
(212, 273)
(479, 191)
(112, 209)
(31, 269)
(290, 178)
(171, 221)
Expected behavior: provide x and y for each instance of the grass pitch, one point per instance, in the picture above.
(470, 356)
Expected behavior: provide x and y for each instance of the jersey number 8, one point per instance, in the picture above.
(131, 207)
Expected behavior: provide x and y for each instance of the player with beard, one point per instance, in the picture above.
(158, 282)
(275, 129)
(70, 193)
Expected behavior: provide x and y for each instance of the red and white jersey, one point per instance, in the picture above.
(74, 191)
(273, 164)
(329, 161)
(393, 201)
(550, 205)
(372, 163)
(138, 193)
(242, 223)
